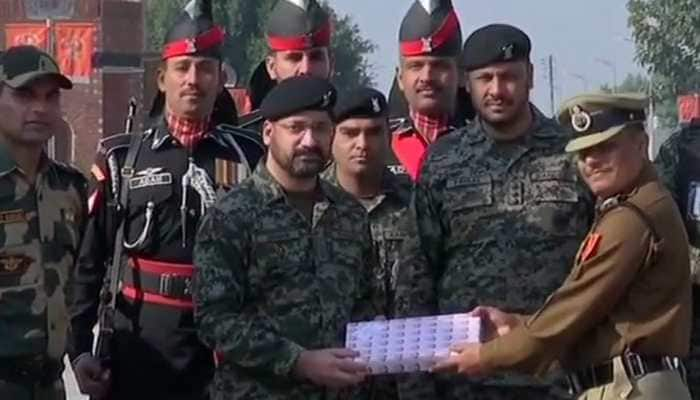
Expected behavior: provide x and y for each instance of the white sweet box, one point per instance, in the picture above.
(411, 344)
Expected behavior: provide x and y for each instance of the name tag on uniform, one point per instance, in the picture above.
(165, 178)
(12, 216)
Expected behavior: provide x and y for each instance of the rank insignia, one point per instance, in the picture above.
(12, 216)
(225, 173)
(14, 264)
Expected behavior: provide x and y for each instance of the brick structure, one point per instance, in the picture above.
(98, 107)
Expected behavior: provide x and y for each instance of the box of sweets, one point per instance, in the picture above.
(412, 344)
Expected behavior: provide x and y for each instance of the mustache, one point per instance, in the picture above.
(314, 151)
(429, 86)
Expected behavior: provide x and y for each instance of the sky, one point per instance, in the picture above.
(582, 36)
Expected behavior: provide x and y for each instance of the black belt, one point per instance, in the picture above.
(34, 369)
(636, 366)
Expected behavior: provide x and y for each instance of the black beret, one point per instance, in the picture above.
(294, 95)
(495, 43)
(361, 103)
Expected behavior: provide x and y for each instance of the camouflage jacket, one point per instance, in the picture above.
(676, 164)
(41, 227)
(269, 284)
(498, 224)
(388, 213)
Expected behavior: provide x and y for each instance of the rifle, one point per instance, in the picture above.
(108, 294)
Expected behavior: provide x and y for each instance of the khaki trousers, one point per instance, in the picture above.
(663, 385)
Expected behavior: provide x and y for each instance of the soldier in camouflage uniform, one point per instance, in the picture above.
(360, 150)
(284, 262)
(678, 165)
(499, 207)
(42, 214)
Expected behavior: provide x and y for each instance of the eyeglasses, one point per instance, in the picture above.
(298, 128)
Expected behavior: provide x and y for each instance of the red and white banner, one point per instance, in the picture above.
(75, 45)
(27, 34)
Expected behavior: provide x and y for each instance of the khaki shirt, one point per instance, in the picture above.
(624, 292)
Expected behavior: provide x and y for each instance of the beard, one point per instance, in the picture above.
(302, 163)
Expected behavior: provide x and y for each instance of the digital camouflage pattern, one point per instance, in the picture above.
(40, 232)
(675, 164)
(388, 213)
(498, 224)
(269, 284)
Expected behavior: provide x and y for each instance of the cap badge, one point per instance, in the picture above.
(508, 51)
(191, 45)
(326, 101)
(45, 64)
(376, 108)
(580, 120)
(427, 45)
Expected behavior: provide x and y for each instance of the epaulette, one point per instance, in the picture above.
(69, 169)
(248, 120)
(111, 143)
(242, 133)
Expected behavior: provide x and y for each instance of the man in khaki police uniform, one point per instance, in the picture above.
(620, 322)
(42, 213)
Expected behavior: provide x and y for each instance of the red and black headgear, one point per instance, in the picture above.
(194, 33)
(298, 25)
(431, 28)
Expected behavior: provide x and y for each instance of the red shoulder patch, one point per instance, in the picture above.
(591, 247)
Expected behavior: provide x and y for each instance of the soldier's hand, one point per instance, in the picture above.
(497, 323)
(333, 368)
(93, 379)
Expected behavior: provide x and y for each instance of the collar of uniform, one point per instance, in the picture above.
(275, 192)
(7, 163)
(161, 136)
(541, 128)
(392, 185)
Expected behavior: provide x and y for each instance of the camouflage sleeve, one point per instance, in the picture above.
(368, 306)
(420, 258)
(90, 267)
(417, 278)
(225, 320)
(666, 163)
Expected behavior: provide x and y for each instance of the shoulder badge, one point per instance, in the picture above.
(590, 249)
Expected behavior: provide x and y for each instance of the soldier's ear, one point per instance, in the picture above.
(160, 75)
(267, 133)
(399, 75)
(223, 77)
(270, 66)
(530, 76)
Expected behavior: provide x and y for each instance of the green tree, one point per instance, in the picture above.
(245, 45)
(632, 83)
(667, 39)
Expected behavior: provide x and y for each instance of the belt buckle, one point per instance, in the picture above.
(635, 365)
(165, 284)
(172, 285)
